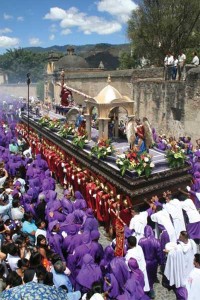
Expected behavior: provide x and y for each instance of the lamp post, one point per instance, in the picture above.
(28, 84)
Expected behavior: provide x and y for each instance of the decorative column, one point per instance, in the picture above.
(101, 135)
(116, 123)
(105, 129)
(88, 125)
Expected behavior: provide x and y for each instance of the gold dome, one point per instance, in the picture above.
(108, 95)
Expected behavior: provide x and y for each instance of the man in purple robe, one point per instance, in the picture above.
(152, 254)
(54, 238)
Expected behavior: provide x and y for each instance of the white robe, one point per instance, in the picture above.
(193, 284)
(138, 254)
(180, 263)
(138, 223)
(162, 217)
(191, 211)
(174, 208)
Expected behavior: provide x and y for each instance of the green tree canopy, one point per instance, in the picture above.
(159, 26)
(18, 62)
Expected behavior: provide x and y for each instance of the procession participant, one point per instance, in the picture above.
(193, 226)
(174, 207)
(108, 255)
(67, 203)
(52, 182)
(90, 187)
(162, 218)
(88, 274)
(90, 222)
(55, 238)
(136, 273)
(125, 212)
(179, 260)
(192, 282)
(139, 220)
(79, 201)
(120, 270)
(135, 251)
(152, 253)
(111, 286)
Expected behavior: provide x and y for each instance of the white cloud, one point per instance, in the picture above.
(20, 19)
(55, 14)
(53, 28)
(52, 37)
(34, 42)
(66, 31)
(6, 41)
(85, 23)
(120, 9)
(7, 17)
(5, 30)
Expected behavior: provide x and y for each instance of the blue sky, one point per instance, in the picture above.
(44, 23)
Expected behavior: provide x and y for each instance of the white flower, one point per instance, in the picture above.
(122, 156)
(109, 149)
(86, 141)
(152, 165)
(146, 159)
(104, 153)
(120, 163)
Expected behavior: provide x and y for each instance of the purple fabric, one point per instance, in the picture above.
(91, 222)
(79, 204)
(78, 195)
(152, 253)
(181, 293)
(89, 272)
(193, 230)
(164, 239)
(120, 271)
(136, 273)
(133, 291)
(67, 206)
(113, 288)
(107, 257)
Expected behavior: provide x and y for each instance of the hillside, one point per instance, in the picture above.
(107, 53)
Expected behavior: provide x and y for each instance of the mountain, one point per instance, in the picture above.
(94, 54)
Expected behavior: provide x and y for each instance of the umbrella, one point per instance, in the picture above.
(33, 291)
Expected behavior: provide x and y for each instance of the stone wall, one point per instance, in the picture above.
(172, 107)
(19, 90)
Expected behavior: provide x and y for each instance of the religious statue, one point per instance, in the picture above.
(139, 135)
(65, 95)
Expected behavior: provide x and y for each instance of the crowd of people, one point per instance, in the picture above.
(50, 244)
(174, 64)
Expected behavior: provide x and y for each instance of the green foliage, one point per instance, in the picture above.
(79, 140)
(18, 62)
(102, 148)
(132, 160)
(128, 61)
(176, 158)
(157, 27)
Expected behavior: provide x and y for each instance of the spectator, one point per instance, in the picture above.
(181, 65)
(195, 60)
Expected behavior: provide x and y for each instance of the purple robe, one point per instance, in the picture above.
(120, 270)
(91, 222)
(136, 273)
(152, 253)
(112, 288)
(109, 254)
(88, 274)
(133, 291)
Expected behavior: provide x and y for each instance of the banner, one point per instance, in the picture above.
(119, 249)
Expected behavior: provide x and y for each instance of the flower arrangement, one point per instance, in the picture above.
(176, 157)
(44, 121)
(67, 129)
(102, 148)
(80, 138)
(54, 124)
(132, 160)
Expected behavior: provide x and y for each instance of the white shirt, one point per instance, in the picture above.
(138, 254)
(13, 260)
(195, 60)
(181, 58)
(191, 211)
(162, 217)
(193, 284)
(174, 208)
(138, 223)
(17, 213)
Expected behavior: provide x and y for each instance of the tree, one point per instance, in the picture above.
(159, 26)
(18, 62)
(128, 61)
